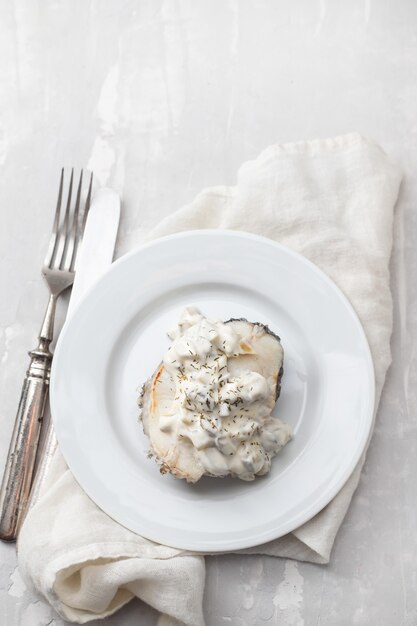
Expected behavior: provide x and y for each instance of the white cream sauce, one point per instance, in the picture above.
(225, 417)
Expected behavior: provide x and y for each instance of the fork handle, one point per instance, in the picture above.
(20, 464)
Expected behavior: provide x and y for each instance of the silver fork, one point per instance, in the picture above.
(58, 271)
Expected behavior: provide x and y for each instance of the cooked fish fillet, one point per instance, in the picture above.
(210, 414)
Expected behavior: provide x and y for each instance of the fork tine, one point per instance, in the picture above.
(87, 204)
(64, 239)
(53, 240)
(72, 233)
(80, 231)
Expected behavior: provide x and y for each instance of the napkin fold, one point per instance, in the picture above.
(331, 200)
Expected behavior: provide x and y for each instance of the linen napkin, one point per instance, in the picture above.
(331, 200)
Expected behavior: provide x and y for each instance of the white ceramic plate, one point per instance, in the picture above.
(116, 338)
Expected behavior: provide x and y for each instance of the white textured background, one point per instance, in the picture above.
(163, 98)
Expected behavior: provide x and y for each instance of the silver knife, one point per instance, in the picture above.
(95, 256)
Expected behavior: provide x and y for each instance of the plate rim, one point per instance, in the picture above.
(228, 545)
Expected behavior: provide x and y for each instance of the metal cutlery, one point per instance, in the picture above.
(59, 272)
(95, 256)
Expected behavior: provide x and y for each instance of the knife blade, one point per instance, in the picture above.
(95, 256)
(97, 248)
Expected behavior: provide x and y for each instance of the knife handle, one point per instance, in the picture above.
(20, 463)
